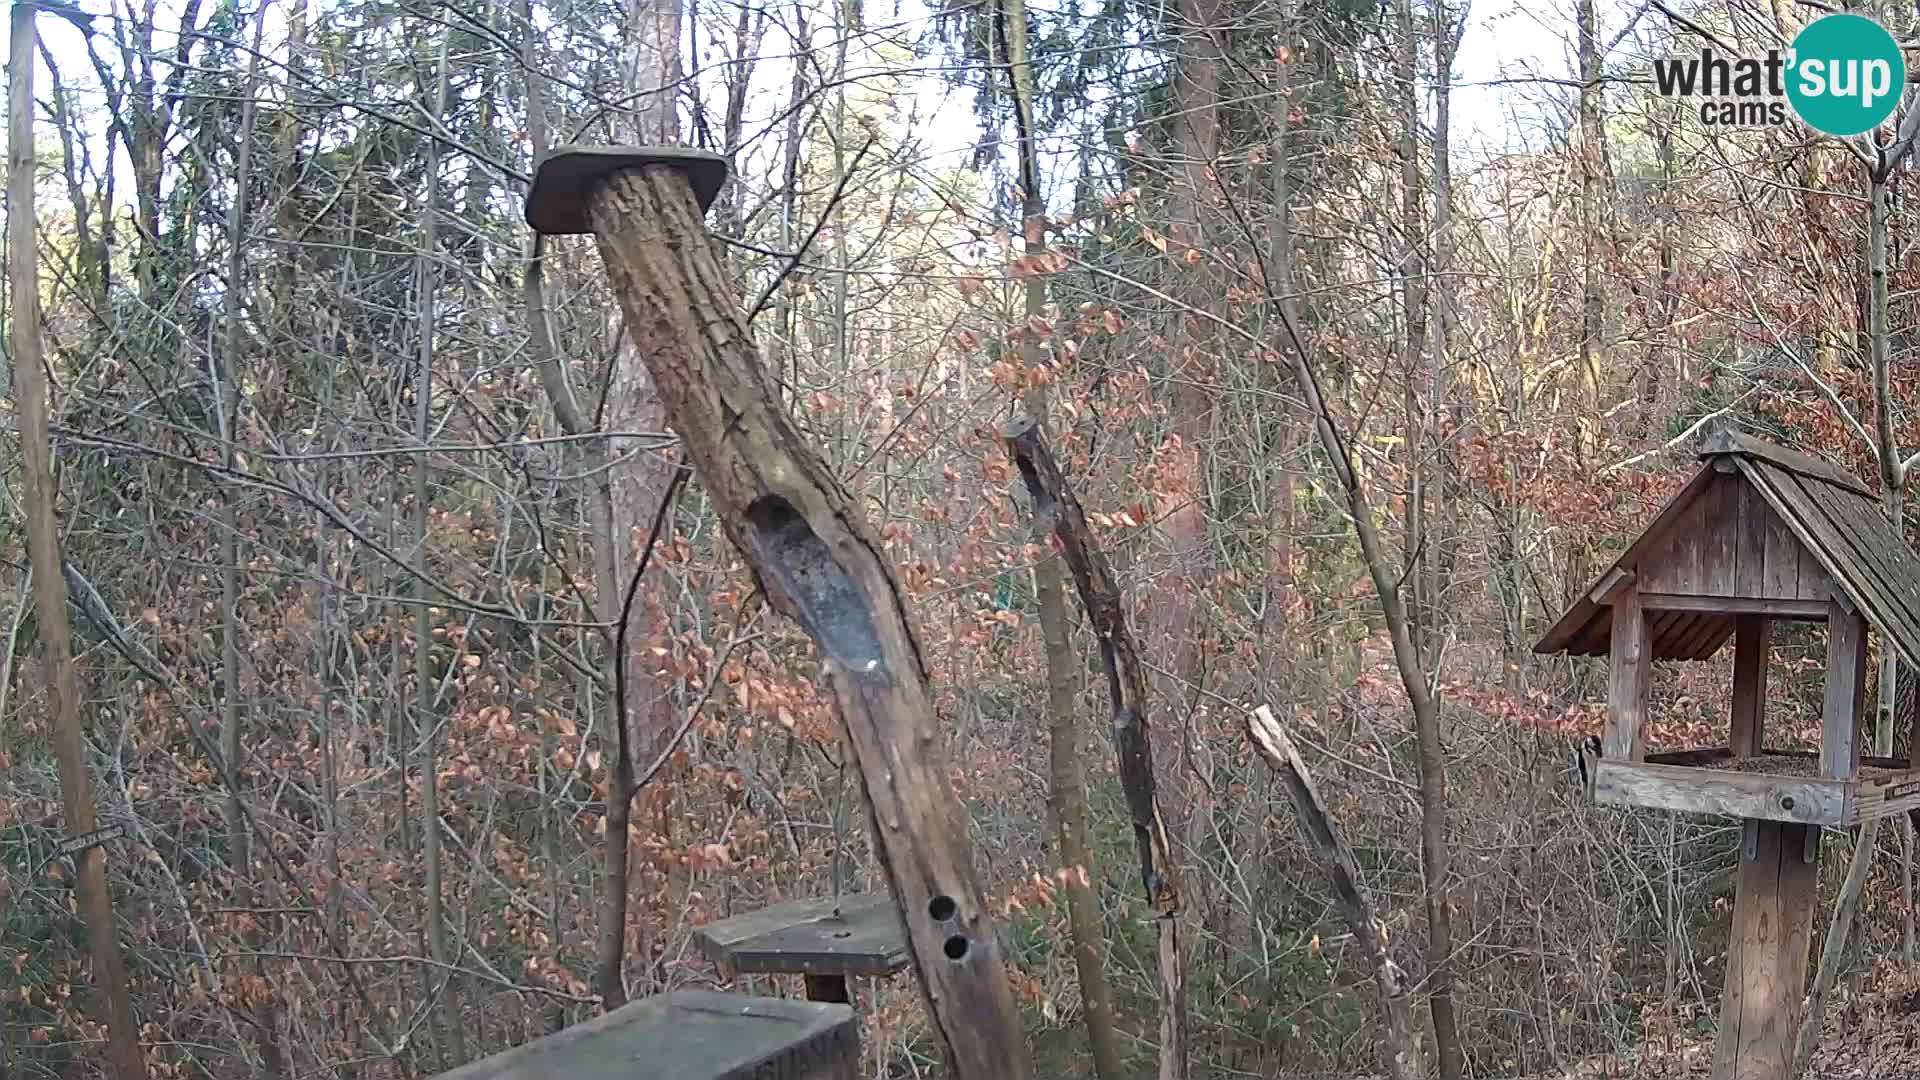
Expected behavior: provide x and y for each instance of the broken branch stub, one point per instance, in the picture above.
(1058, 511)
(821, 564)
(1399, 1049)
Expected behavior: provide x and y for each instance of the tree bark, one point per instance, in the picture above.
(226, 381)
(1057, 510)
(819, 562)
(43, 545)
(426, 728)
(633, 404)
(1066, 771)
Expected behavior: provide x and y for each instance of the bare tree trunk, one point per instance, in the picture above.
(226, 381)
(637, 489)
(1413, 678)
(43, 543)
(1413, 311)
(426, 727)
(1068, 773)
(1593, 351)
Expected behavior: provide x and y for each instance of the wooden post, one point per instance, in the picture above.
(1631, 665)
(811, 550)
(1846, 692)
(1767, 953)
(43, 546)
(1747, 730)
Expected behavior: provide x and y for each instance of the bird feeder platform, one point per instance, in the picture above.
(1760, 535)
(690, 1035)
(812, 939)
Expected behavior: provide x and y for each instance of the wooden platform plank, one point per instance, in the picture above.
(806, 937)
(690, 1035)
(1693, 790)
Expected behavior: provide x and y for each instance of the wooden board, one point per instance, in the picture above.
(1808, 801)
(1846, 686)
(1747, 725)
(1767, 955)
(1884, 798)
(1794, 609)
(1739, 443)
(806, 937)
(1857, 549)
(1720, 540)
(1781, 573)
(1631, 667)
(690, 1035)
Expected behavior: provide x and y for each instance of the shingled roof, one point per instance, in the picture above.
(1835, 518)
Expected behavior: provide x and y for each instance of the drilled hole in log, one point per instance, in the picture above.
(803, 567)
(956, 947)
(941, 908)
(1786, 802)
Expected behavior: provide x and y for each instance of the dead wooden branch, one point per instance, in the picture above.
(1058, 513)
(817, 558)
(1398, 1049)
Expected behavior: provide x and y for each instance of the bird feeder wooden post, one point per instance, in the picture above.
(1759, 535)
(689, 1035)
(811, 550)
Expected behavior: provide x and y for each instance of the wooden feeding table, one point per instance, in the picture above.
(1760, 534)
(820, 940)
(690, 1035)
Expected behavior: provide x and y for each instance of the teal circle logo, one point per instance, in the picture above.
(1845, 74)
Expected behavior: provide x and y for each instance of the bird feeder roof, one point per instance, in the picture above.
(1761, 529)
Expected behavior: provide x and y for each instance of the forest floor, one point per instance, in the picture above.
(1875, 1036)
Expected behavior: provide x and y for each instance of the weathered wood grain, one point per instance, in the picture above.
(1796, 609)
(1691, 790)
(1631, 668)
(807, 937)
(1767, 955)
(1747, 725)
(1845, 694)
(689, 1035)
(820, 563)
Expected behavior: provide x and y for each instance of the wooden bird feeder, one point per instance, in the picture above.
(821, 940)
(1760, 534)
(690, 1035)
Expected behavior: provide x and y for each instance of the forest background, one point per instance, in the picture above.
(353, 473)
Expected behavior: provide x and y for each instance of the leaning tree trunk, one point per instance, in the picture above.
(43, 547)
(820, 562)
(1067, 772)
